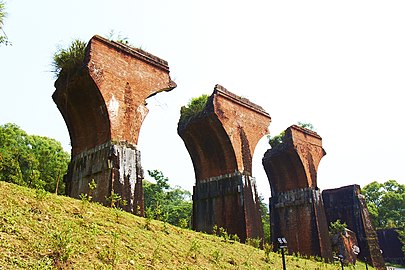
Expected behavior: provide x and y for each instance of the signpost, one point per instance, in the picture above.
(282, 244)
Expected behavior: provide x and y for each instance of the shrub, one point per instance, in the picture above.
(276, 140)
(195, 106)
(337, 227)
(70, 59)
(306, 125)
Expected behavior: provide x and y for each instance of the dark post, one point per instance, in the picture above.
(341, 260)
(283, 245)
(365, 261)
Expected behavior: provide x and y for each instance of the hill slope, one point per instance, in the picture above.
(39, 230)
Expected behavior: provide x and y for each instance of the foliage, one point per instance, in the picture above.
(172, 205)
(386, 203)
(337, 227)
(306, 125)
(56, 237)
(401, 233)
(264, 211)
(117, 37)
(3, 37)
(276, 140)
(31, 160)
(194, 106)
(115, 200)
(67, 61)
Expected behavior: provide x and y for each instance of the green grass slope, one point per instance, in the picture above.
(39, 230)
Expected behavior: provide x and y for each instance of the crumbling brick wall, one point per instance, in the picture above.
(296, 207)
(345, 244)
(221, 140)
(348, 205)
(103, 105)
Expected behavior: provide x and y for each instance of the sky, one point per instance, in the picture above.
(339, 65)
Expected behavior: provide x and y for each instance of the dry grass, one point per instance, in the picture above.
(39, 230)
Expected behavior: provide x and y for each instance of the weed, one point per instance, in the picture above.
(148, 219)
(62, 246)
(215, 230)
(156, 255)
(110, 255)
(45, 263)
(194, 249)
(92, 187)
(254, 242)
(40, 194)
(224, 234)
(267, 249)
(235, 238)
(216, 256)
(9, 222)
(115, 200)
(183, 223)
(138, 210)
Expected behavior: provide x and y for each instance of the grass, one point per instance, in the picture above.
(39, 230)
(193, 107)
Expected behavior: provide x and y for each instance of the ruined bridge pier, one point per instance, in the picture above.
(103, 105)
(296, 207)
(221, 140)
(349, 206)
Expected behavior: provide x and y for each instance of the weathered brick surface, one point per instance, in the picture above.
(221, 140)
(103, 105)
(296, 206)
(348, 205)
(344, 244)
(391, 245)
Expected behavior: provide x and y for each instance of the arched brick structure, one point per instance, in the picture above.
(296, 207)
(221, 140)
(103, 104)
(349, 206)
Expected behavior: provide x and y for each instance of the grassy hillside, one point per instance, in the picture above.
(39, 230)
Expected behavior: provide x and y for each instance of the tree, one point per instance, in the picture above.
(3, 36)
(165, 203)
(30, 160)
(265, 215)
(52, 161)
(386, 203)
(276, 140)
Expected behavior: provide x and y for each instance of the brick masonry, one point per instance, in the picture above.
(296, 207)
(103, 105)
(391, 245)
(221, 140)
(345, 244)
(348, 205)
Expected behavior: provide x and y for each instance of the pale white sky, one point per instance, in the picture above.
(339, 65)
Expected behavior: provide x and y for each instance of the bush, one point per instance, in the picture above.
(276, 140)
(337, 227)
(70, 59)
(195, 106)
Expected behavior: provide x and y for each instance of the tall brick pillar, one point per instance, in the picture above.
(221, 140)
(103, 104)
(348, 205)
(296, 208)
